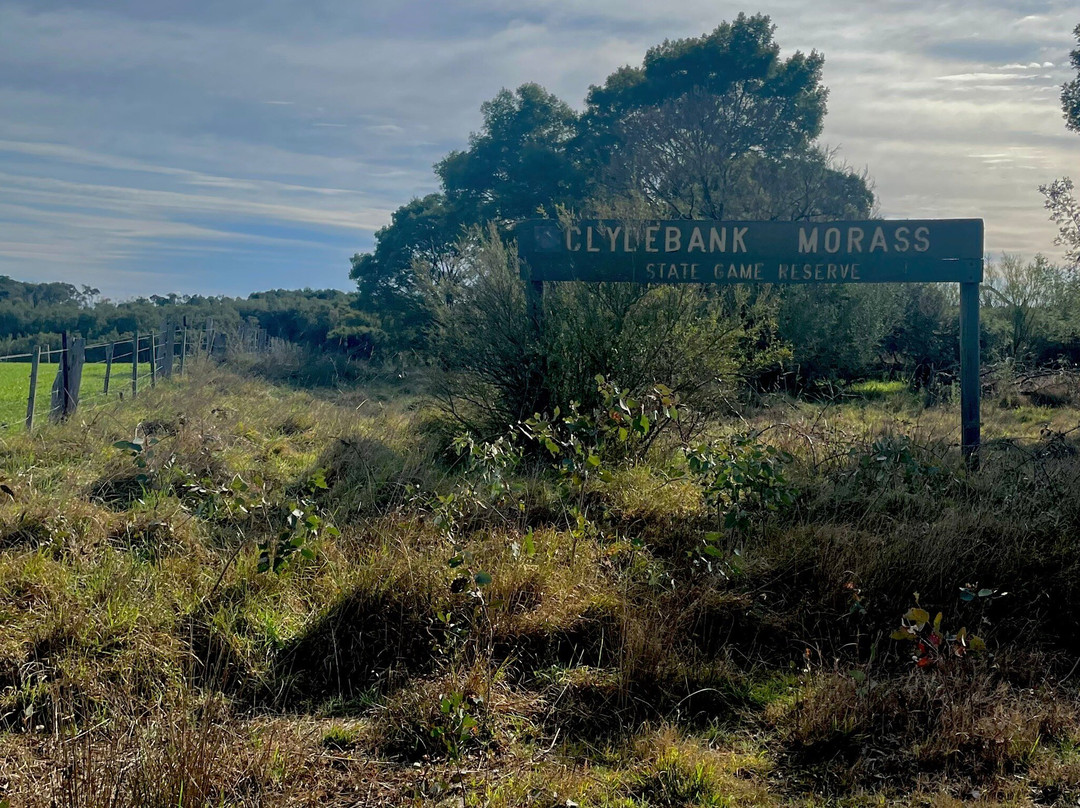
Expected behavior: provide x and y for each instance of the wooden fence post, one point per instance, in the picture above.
(183, 348)
(75, 358)
(135, 364)
(35, 361)
(108, 365)
(65, 346)
(168, 333)
(153, 361)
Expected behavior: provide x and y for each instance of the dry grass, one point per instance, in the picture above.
(146, 660)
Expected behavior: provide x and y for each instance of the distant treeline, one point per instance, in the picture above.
(34, 314)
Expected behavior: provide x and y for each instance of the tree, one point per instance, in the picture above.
(425, 230)
(719, 126)
(1070, 91)
(1024, 297)
(1065, 213)
(519, 162)
(1060, 199)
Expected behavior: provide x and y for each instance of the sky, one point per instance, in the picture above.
(229, 146)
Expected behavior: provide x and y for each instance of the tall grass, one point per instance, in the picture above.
(526, 656)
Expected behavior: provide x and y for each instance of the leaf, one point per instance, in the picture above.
(308, 553)
(455, 562)
(482, 578)
(967, 595)
(918, 616)
(985, 593)
(937, 623)
(128, 445)
(976, 643)
(858, 676)
(902, 634)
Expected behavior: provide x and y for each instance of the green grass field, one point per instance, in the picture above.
(15, 387)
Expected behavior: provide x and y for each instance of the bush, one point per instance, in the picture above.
(506, 357)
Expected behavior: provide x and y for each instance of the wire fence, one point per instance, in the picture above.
(51, 383)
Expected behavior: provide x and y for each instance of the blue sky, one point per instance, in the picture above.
(149, 146)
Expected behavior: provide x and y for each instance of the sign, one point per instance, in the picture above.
(696, 251)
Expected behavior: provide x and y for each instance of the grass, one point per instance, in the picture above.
(456, 637)
(877, 388)
(15, 387)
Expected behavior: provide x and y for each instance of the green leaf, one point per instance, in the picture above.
(308, 553)
(858, 676)
(129, 445)
(902, 634)
(482, 578)
(918, 616)
(985, 593)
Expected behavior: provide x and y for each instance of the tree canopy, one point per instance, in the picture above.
(1070, 91)
(716, 126)
(712, 126)
(1061, 199)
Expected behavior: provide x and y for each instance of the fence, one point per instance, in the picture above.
(52, 382)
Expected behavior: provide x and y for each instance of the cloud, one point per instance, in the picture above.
(238, 136)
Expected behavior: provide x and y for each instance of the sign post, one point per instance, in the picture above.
(699, 251)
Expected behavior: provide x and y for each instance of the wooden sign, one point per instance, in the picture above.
(694, 251)
(697, 251)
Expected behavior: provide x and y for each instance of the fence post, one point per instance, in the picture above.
(153, 361)
(108, 365)
(35, 361)
(135, 364)
(183, 348)
(168, 332)
(65, 344)
(74, 359)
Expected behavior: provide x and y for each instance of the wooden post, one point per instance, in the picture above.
(65, 368)
(168, 334)
(74, 359)
(209, 336)
(153, 361)
(108, 364)
(135, 364)
(183, 348)
(35, 361)
(970, 388)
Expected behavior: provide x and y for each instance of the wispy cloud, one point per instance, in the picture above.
(231, 146)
